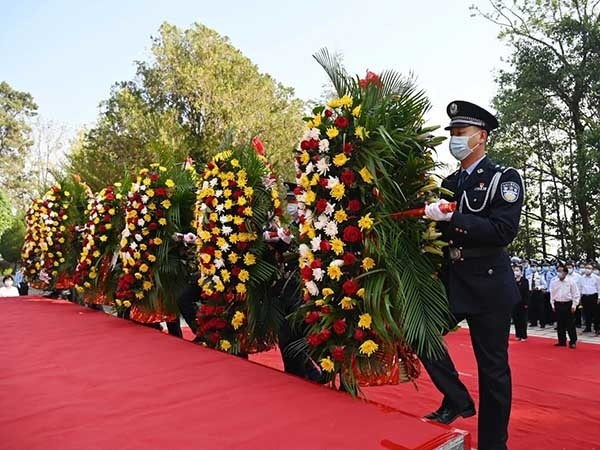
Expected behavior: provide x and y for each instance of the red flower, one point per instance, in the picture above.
(154, 176)
(313, 340)
(316, 264)
(298, 190)
(328, 113)
(321, 205)
(350, 287)
(359, 334)
(341, 122)
(337, 353)
(348, 177)
(325, 310)
(153, 226)
(349, 259)
(371, 78)
(323, 182)
(325, 246)
(325, 334)
(242, 245)
(354, 205)
(347, 148)
(311, 317)
(258, 145)
(352, 234)
(314, 144)
(339, 326)
(160, 191)
(235, 271)
(306, 273)
(305, 145)
(110, 196)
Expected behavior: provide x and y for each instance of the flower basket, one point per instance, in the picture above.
(137, 314)
(64, 281)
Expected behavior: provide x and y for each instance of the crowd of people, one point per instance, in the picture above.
(564, 295)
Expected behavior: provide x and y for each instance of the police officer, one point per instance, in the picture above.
(477, 274)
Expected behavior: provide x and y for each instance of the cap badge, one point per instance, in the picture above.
(453, 109)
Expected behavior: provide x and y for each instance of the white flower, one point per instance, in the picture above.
(213, 182)
(143, 187)
(138, 237)
(144, 210)
(331, 229)
(310, 167)
(303, 250)
(329, 209)
(133, 246)
(220, 207)
(321, 222)
(318, 274)
(225, 246)
(314, 133)
(315, 243)
(332, 182)
(323, 166)
(226, 230)
(312, 288)
(337, 262)
(216, 278)
(218, 193)
(324, 145)
(145, 199)
(224, 219)
(126, 233)
(50, 204)
(141, 222)
(219, 262)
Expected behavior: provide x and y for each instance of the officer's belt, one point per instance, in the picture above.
(460, 254)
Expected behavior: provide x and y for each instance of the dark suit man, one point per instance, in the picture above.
(477, 274)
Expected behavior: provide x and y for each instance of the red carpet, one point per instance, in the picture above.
(556, 393)
(73, 378)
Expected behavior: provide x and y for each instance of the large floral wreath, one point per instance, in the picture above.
(101, 234)
(236, 201)
(159, 204)
(370, 284)
(31, 252)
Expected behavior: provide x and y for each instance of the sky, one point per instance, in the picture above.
(68, 54)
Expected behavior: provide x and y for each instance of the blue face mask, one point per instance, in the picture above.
(459, 146)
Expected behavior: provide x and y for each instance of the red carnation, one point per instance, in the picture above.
(242, 245)
(160, 191)
(235, 271)
(154, 176)
(314, 144)
(325, 246)
(321, 205)
(304, 145)
(347, 148)
(298, 190)
(354, 205)
(349, 259)
(306, 273)
(325, 334)
(348, 177)
(153, 226)
(110, 196)
(328, 113)
(323, 182)
(339, 326)
(359, 334)
(350, 287)
(316, 264)
(229, 298)
(337, 353)
(311, 317)
(371, 78)
(352, 234)
(325, 310)
(341, 122)
(313, 340)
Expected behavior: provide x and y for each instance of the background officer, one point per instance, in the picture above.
(477, 274)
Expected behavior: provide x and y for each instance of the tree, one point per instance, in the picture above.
(6, 216)
(549, 103)
(12, 239)
(197, 92)
(16, 108)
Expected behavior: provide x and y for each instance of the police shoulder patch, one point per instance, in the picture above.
(510, 191)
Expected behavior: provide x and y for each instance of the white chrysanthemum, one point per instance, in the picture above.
(126, 233)
(143, 187)
(218, 193)
(138, 237)
(332, 182)
(324, 145)
(337, 262)
(50, 204)
(220, 207)
(226, 230)
(318, 274)
(310, 167)
(312, 288)
(133, 246)
(144, 210)
(224, 219)
(141, 222)
(315, 243)
(321, 222)
(213, 182)
(145, 199)
(303, 250)
(329, 209)
(216, 278)
(219, 262)
(331, 229)
(323, 166)
(314, 133)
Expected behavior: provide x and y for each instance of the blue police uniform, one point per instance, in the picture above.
(480, 283)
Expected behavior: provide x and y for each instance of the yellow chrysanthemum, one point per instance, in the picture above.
(170, 183)
(334, 272)
(240, 288)
(366, 175)
(144, 268)
(238, 320)
(127, 304)
(334, 103)
(346, 303)
(147, 285)
(368, 347)
(310, 197)
(327, 364)
(327, 292)
(331, 133)
(368, 263)
(340, 216)
(337, 245)
(158, 241)
(340, 159)
(249, 259)
(346, 101)
(338, 191)
(224, 345)
(244, 275)
(166, 204)
(162, 221)
(356, 111)
(361, 133)
(361, 292)
(150, 192)
(365, 222)
(364, 321)
(317, 120)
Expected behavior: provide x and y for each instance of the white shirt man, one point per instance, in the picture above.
(589, 283)
(564, 297)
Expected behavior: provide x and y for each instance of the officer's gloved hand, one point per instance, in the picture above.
(433, 212)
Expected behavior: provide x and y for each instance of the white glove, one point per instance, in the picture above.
(433, 212)
(190, 238)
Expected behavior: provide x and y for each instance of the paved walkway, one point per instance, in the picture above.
(550, 333)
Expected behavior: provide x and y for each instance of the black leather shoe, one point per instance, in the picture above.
(572, 345)
(447, 415)
(558, 344)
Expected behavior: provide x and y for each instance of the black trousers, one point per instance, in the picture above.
(489, 337)
(590, 310)
(187, 302)
(565, 322)
(538, 311)
(550, 315)
(519, 315)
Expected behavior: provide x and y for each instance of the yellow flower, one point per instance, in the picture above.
(364, 321)
(361, 133)
(238, 320)
(248, 211)
(233, 257)
(347, 303)
(334, 272)
(319, 302)
(118, 302)
(368, 347)
(108, 226)
(317, 120)
(147, 181)
(225, 275)
(346, 101)
(249, 259)
(338, 191)
(331, 133)
(138, 276)
(304, 158)
(366, 175)
(139, 295)
(144, 268)
(334, 103)
(244, 275)
(356, 111)
(310, 197)
(368, 263)
(327, 292)
(127, 304)
(162, 221)
(248, 191)
(169, 183)
(166, 204)
(340, 159)
(147, 285)
(103, 238)
(151, 258)
(235, 163)
(327, 364)
(96, 254)
(365, 222)
(240, 288)
(224, 345)
(340, 216)
(150, 192)
(158, 241)
(112, 211)
(337, 245)
(226, 193)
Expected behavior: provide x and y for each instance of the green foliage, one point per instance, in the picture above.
(185, 101)
(15, 139)
(549, 107)
(12, 239)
